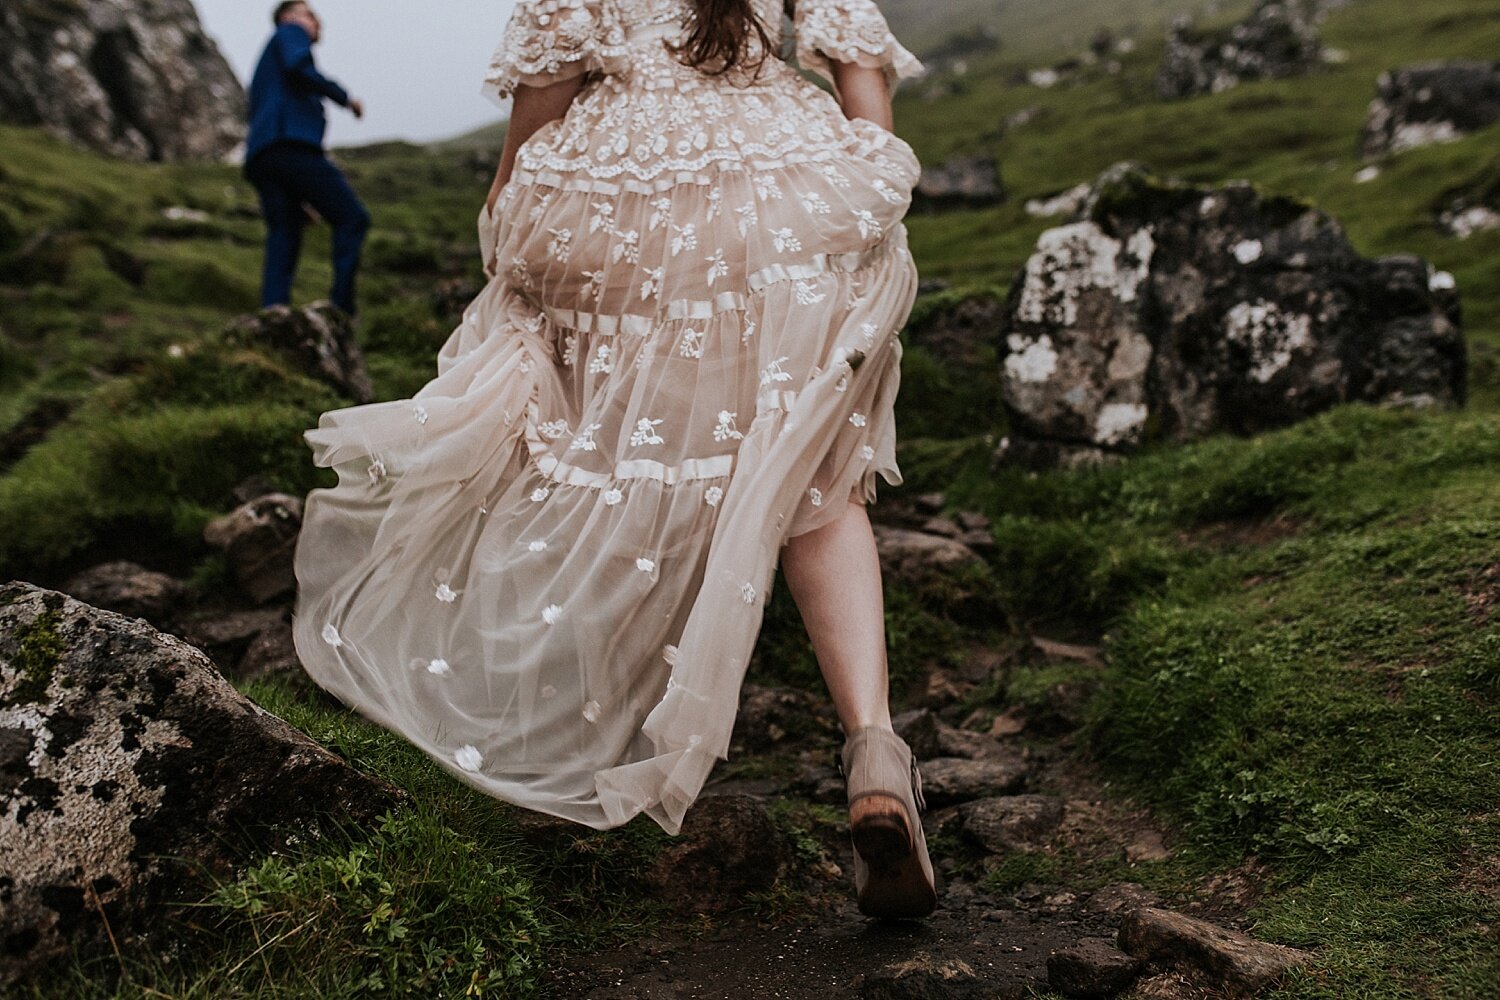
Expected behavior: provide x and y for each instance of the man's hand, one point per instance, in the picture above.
(357, 106)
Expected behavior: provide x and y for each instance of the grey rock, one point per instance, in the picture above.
(919, 728)
(129, 769)
(1173, 311)
(962, 182)
(1430, 102)
(729, 847)
(133, 78)
(260, 539)
(947, 780)
(1234, 964)
(318, 340)
(130, 589)
(1012, 822)
(1093, 967)
(1276, 40)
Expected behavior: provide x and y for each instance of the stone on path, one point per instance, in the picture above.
(925, 977)
(1093, 967)
(129, 589)
(729, 847)
(317, 340)
(949, 780)
(260, 540)
(128, 768)
(1235, 964)
(1011, 822)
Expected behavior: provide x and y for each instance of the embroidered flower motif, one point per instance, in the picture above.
(766, 187)
(748, 217)
(439, 667)
(725, 430)
(748, 332)
(686, 238)
(868, 225)
(551, 613)
(645, 565)
(628, 249)
(645, 432)
(603, 217)
(815, 204)
(835, 176)
(331, 636)
(652, 285)
(747, 593)
(867, 331)
(718, 267)
(570, 350)
(613, 496)
(468, 757)
(692, 344)
(867, 453)
(538, 545)
(603, 361)
(420, 413)
(785, 241)
(591, 710)
(713, 495)
(539, 494)
(445, 593)
(584, 439)
(594, 285)
(376, 471)
(807, 294)
(816, 496)
(553, 429)
(548, 691)
(561, 244)
(857, 419)
(774, 373)
(662, 211)
(715, 195)
(842, 385)
(886, 191)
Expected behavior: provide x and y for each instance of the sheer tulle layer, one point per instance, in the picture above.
(558, 627)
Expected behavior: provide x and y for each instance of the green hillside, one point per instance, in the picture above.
(1300, 631)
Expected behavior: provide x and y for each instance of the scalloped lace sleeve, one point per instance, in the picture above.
(849, 31)
(548, 41)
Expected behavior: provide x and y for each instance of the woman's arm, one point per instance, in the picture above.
(533, 108)
(862, 92)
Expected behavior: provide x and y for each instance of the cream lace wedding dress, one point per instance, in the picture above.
(547, 568)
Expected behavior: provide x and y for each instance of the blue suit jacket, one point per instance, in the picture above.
(287, 93)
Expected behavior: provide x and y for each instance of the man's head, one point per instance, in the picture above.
(298, 12)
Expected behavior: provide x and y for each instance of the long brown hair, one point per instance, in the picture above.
(720, 35)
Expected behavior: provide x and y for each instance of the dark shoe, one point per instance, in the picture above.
(892, 872)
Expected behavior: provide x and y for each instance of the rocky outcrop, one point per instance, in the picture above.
(962, 182)
(131, 78)
(1432, 102)
(1277, 40)
(130, 590)
(729, 847)
(318, 340)
(129, 768)
(260, 540)
(1093, 967)
(1228, 963)
(1173, 311)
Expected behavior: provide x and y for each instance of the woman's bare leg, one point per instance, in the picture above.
(834, 576)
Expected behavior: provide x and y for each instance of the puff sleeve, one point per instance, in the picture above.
(548, 41)
(851, 31)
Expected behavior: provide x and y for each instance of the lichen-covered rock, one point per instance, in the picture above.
(962, 182)
(950, 780)
(1168, 310)
(1231, 964)
(131, 78)
(1011, 822)
(128, 768)
(1431, 102)
(317, 339)
(1093, 967)
(260, 539)
(1277, 40)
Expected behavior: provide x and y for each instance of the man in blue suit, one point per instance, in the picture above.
(284, 159)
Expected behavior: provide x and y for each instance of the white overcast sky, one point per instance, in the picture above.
(417, 65)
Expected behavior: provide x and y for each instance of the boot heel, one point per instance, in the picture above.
(892, 872)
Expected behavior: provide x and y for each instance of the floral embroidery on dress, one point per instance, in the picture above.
(612, 497)
(420, 413)
(815, 495)
(551, 613)
(591, 710)
(439, 667)
(724, 429)
(713, 495)
(539, 545)
(602, 361)
(584, 439)
(331, 636)
(539, 494)
(645, 565)
(445, 593)
(468, 757)
(645, 432)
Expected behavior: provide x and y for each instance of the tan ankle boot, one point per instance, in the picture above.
(892, 872)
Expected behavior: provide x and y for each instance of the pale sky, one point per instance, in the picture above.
(417, 66)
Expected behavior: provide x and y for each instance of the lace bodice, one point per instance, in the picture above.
(548, 41)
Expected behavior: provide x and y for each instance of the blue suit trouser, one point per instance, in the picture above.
(287, 176)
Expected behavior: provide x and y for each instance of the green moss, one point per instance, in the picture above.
(39, 649)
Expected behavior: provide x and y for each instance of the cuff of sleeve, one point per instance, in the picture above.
(897, 62)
